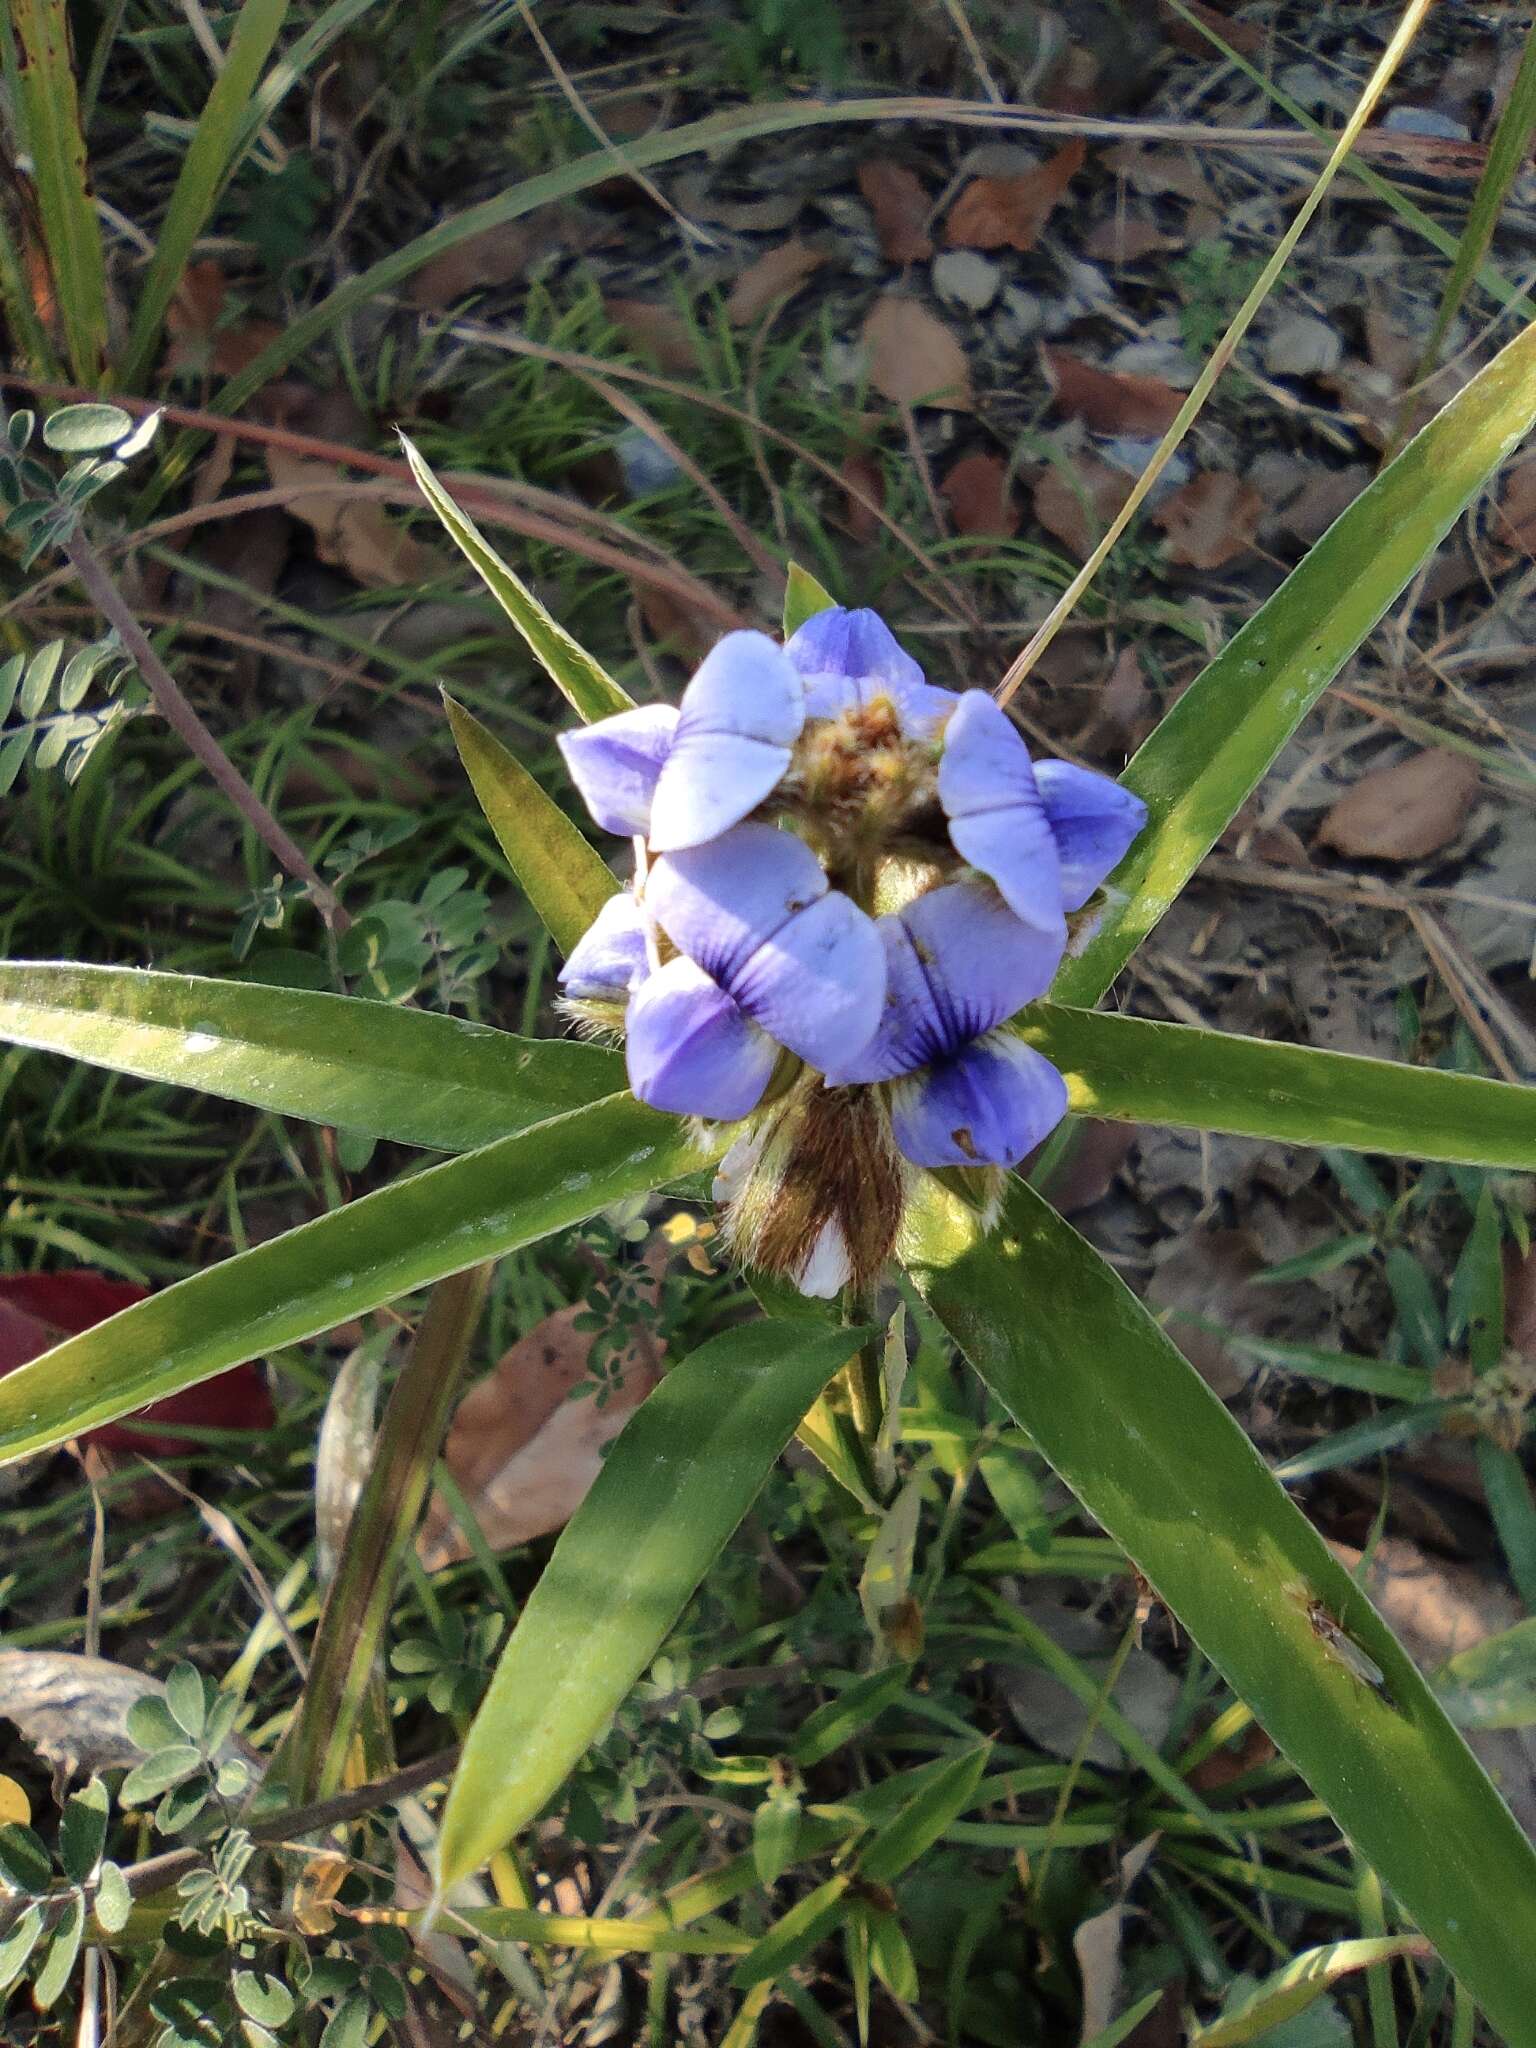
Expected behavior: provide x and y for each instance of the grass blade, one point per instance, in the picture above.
(1211, 750)
(43, 83)
(1154, 1456)
(1291, 1990)
(212, 155)
(357, 1606)
(562, 874)
(1508, 149)
(412, 1075)
(342, 1265)
(1155, 1073)
(586, 686)
(680, 1476)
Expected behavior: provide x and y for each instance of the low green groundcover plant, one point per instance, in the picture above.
(854, 970)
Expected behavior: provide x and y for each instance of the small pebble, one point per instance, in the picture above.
(966, 279)
(1301, 345)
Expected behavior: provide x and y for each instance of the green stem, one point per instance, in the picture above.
(861, 1375)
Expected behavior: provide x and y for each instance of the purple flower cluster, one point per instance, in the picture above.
(842, 865)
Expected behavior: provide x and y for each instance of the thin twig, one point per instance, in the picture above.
(184, 721)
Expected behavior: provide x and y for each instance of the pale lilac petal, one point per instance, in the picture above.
(1093, 821)
(957, 963)
(818, 985)
(989, 1105)
(609, 959)
(740, 716)
(719, 902)
(615, 764)
(848, 657)
(997, 818)
(691, 1050)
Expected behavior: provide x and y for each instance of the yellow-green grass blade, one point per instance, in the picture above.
(1291, 1990)
(1213, 747)
(1491, 279)
(415, 1076)
(1146, 1072)
(561, 873)
(43, 82)
(212, 154)
(584, 683)
(679, 1477)
(342, 1265)
(1508, 149)
(1158, 1461)
(344, 1658)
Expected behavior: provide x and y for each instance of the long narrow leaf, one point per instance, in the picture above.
(1211, 750)
(562, 875)
(44, 82)
(1158, 1073)
(211, 156)
(411, 1075)
(680, 1476)
(344, 1659)
(356, 1259)
(585, 684)
(1154, 1456)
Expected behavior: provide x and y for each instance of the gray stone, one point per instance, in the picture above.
(966, 279)
(1301, 345)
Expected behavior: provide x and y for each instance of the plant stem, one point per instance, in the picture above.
(862, 1372)
(184, 721)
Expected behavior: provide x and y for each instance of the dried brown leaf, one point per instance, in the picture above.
(197, 341)
(1211, 520)
(1096, 1150)
(1076, 503)
(914, 359)
(1204, 1287)
(1246, 37)
(1405, 811)
(658, 331)
(74, 1710)
(500, 255)
(1109, 401)
(864, 475)
(522, 1452)
(353, 533)
(687, 630)
(896, 198)
(776, 274)
(1010, 213)
(980, 496)
(1127, 238)
(1160, 173)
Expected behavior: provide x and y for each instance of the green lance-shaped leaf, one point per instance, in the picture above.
(561, 873)
(1213, 1081)
(423, 1079)
(212, 154)
(1209, 753)
(680, 1476)
(804, 597)
(586, 685)
(358, 1258)
(411, 1075)
(43, 82)
(1153, 1455)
